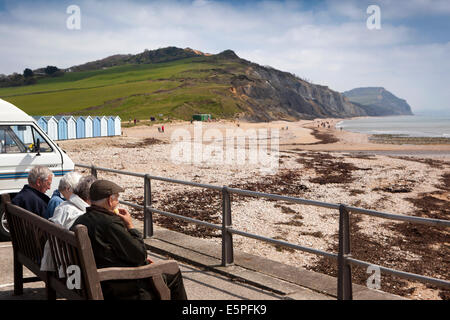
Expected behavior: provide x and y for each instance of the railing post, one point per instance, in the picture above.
(94, 171)
(227, 237)
(148, 215)
(344, 268)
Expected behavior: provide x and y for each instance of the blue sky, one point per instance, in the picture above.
(325, 41)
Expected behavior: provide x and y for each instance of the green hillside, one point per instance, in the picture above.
(176, 89)
(181, 82)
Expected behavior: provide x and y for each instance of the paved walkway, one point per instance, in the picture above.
(200, 284)
(250, 278)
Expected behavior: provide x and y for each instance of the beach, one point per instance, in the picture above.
(314, 162)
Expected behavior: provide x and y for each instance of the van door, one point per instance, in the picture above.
(19, 153)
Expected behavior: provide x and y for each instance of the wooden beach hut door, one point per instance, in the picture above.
(89, 126)
(62, 128)
(81, 128)
(117, 126)
(52, 126)
(104, 126)
(96, 127)
(71, 128)
(111, 126)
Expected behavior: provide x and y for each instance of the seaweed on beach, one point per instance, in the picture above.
(329, 169)
(434, 163)
(206, 205)
(428, 245)
(141, 144)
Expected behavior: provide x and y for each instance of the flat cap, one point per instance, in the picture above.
(102, 189)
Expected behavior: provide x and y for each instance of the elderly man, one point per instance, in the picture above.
(32, 197)
(116, 243)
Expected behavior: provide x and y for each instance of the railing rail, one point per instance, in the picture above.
(343, 257)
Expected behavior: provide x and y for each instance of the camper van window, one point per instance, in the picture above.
(21, 139)
(44, 146)
(10, 142)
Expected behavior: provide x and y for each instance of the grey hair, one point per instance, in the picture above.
(82, 189)
(38, 173)
(69, 181)
(102, 202)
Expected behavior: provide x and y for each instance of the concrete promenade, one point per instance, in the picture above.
(250, 278)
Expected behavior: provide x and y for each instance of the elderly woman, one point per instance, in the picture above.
(66, 186)
(66, 213)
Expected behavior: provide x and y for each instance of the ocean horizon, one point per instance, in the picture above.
(408, 126)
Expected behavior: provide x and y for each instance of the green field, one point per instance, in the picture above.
(176, 89)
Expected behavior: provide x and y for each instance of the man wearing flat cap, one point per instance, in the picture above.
(116, 243)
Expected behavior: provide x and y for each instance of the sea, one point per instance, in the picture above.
(408, 126)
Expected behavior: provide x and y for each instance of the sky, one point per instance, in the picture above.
(327, 42)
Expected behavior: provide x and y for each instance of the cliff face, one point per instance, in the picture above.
(261, 93)
(272, 94)
(377, 101)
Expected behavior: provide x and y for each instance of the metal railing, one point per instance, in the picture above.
(343, 257)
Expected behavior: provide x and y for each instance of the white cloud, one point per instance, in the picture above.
(342, 54)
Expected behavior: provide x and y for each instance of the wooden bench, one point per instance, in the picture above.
(29, 234)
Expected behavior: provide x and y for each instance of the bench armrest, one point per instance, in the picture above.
(128, 273)
(152, 271)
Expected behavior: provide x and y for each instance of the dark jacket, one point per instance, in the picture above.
(32, 200)
(115, 246)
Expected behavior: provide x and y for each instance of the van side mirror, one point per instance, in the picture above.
(38, 147)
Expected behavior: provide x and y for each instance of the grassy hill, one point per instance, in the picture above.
(180, 82)
(176, 89)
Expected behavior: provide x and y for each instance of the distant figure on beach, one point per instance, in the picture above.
(162, 128)
(134, 121)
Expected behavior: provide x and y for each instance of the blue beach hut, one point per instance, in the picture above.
(62, 127)
(96, 127)
(81, 127)
(42, 123)
(111, 126)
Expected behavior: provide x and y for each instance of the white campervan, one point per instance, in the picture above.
(23, 145)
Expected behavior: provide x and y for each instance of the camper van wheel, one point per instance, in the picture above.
(4, 232)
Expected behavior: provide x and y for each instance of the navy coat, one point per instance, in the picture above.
(32, 200)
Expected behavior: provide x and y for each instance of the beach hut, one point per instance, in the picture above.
(81, 127)
(23, 133)
(52, 127)
(117, 126)
(71, 127)
(111, 127)
(103, 126)
(62, 127)
(89, 127)
(42, 122)
(96, 127)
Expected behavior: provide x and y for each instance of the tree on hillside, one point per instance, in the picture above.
(49, 70)
(28, 73)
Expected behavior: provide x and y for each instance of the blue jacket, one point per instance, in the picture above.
(55, 201)
(32, 200)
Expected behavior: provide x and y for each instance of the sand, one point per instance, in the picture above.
(381, 178)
